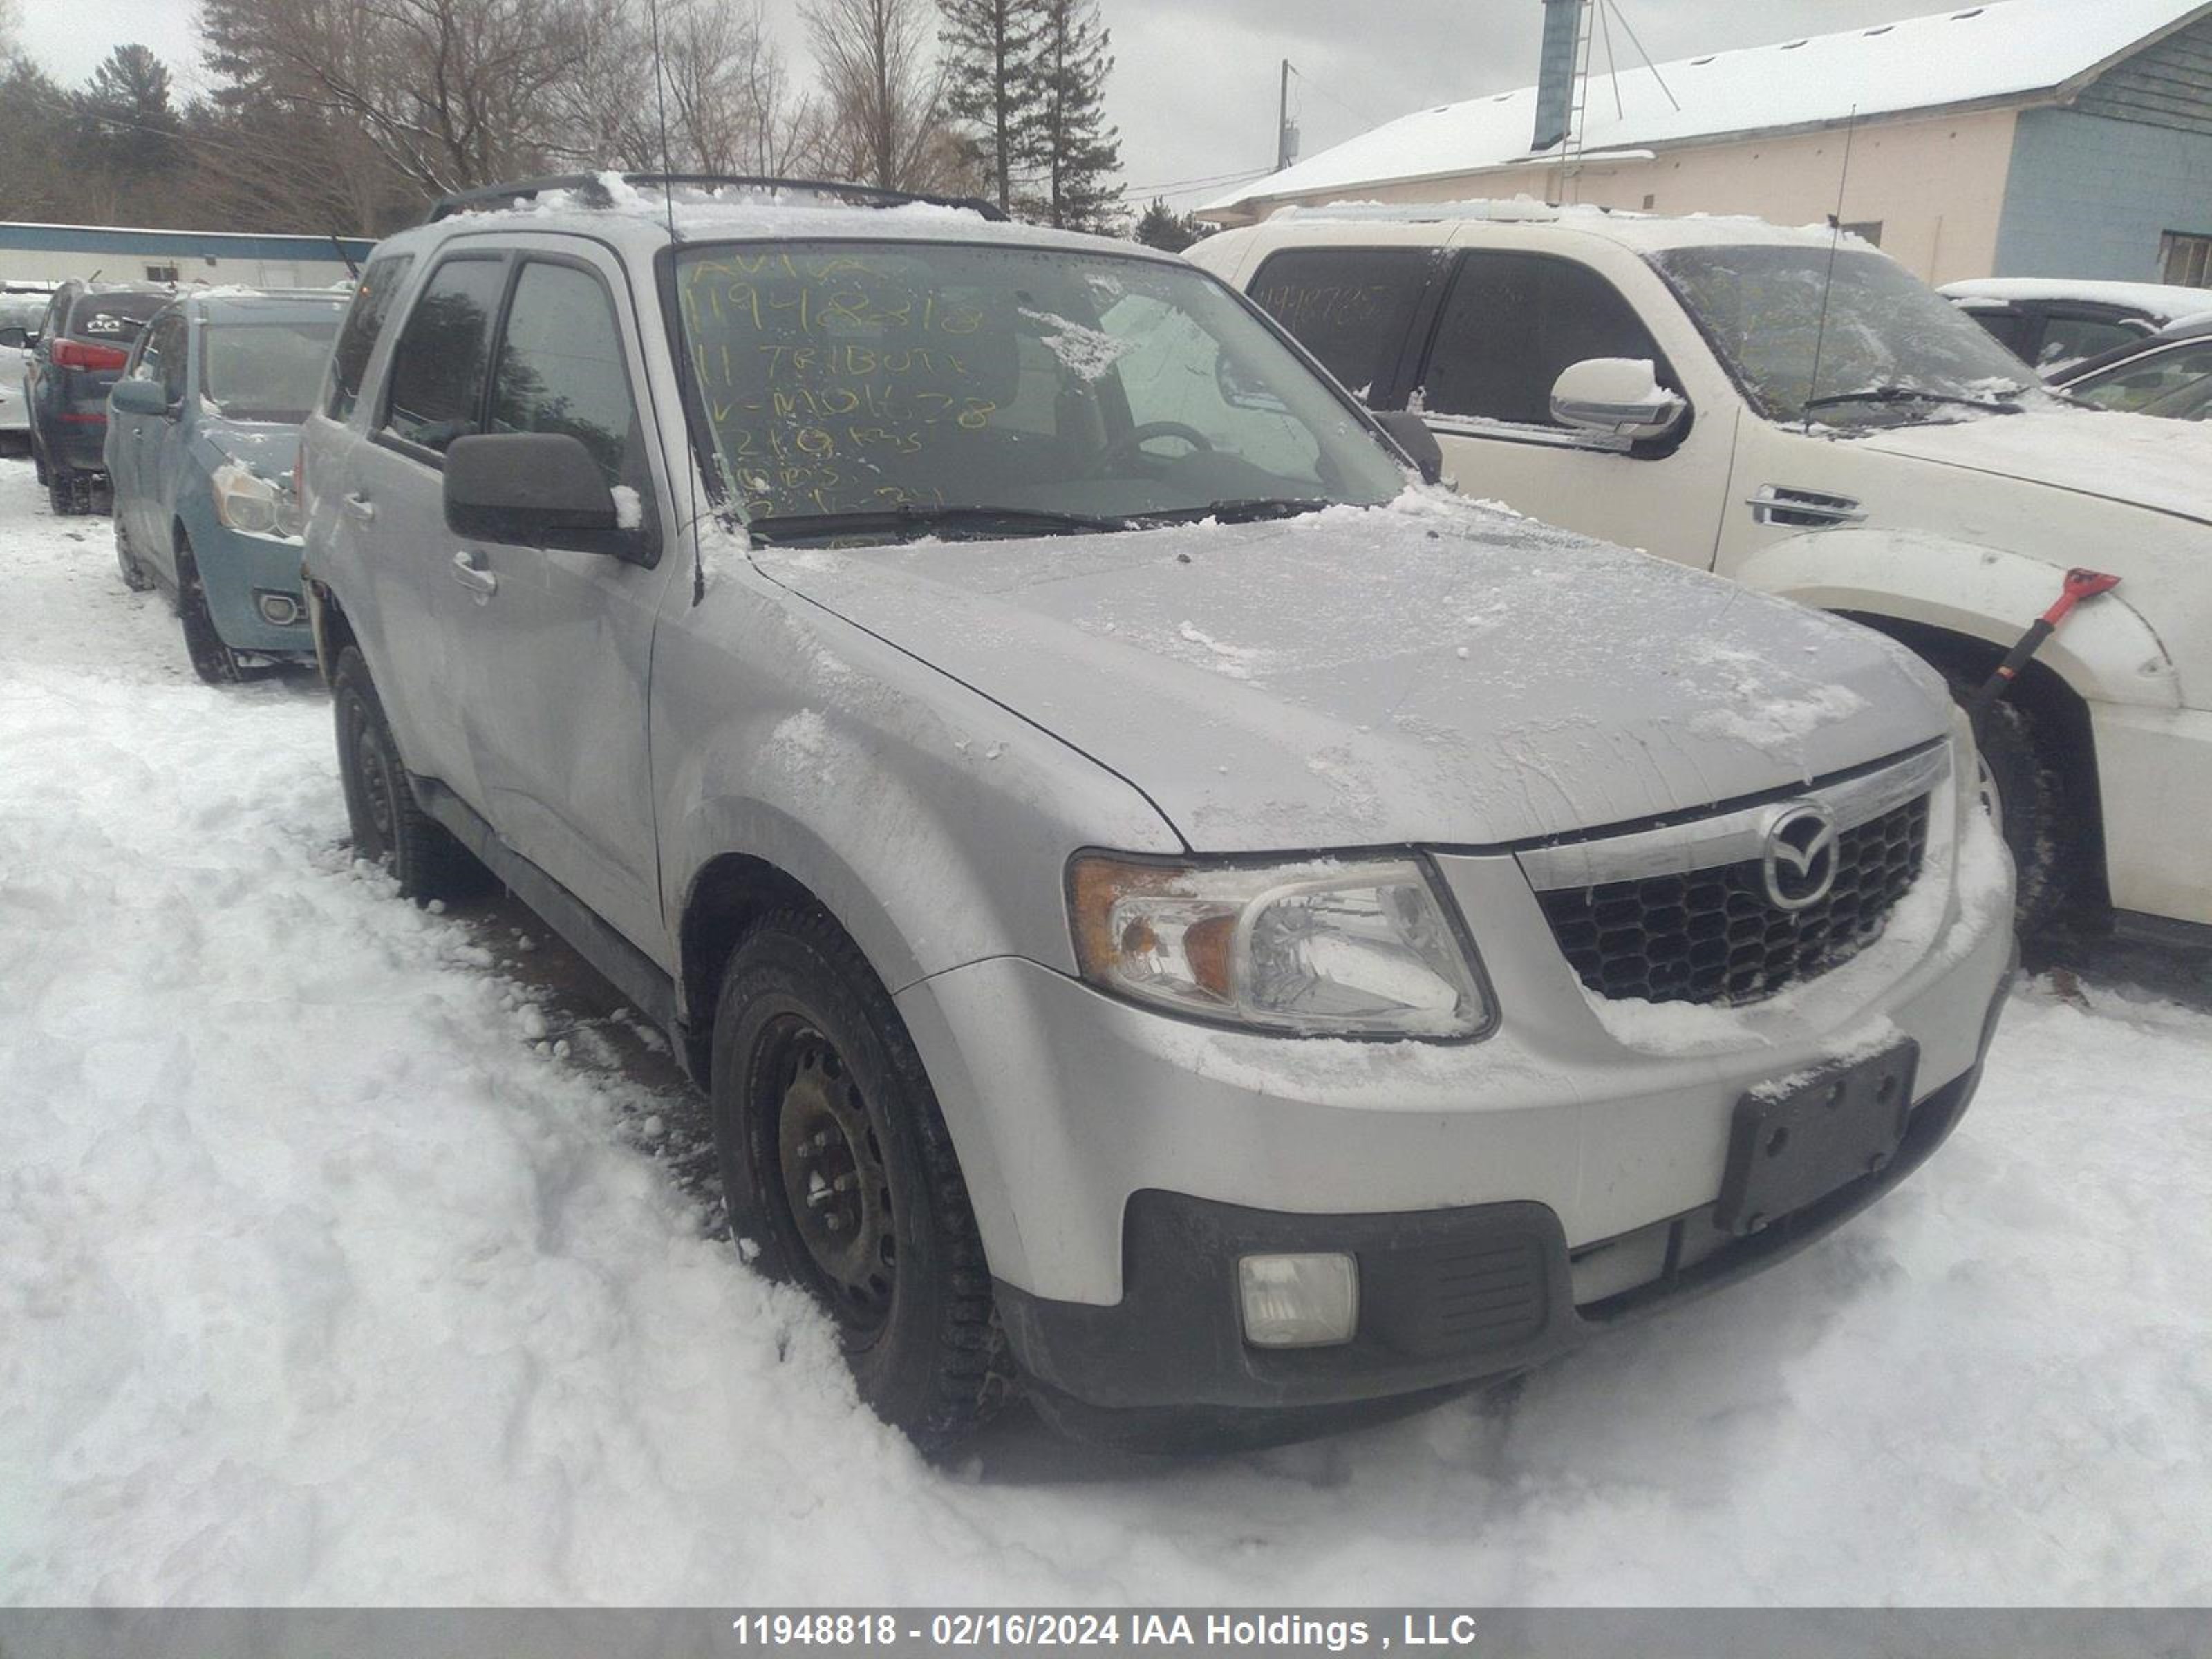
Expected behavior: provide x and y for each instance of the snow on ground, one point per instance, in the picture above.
(322, 1278)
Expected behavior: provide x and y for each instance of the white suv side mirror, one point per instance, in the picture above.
(1620, 396)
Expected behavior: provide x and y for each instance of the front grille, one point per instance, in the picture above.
(1712, 935)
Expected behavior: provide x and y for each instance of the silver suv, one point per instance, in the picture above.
(1164, 906)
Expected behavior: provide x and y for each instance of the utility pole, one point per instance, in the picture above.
(1287, 136)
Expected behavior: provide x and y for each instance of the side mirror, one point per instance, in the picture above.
(1412, 436)
(17, 338)
(138, 397)
(1620, 396)
(529, 488)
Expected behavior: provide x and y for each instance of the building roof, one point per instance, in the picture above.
(1968, 54)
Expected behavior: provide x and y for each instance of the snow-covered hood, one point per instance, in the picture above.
(2163, 465)
(1428, 672)
(265, 450)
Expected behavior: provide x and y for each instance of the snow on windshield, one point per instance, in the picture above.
(1769, 310)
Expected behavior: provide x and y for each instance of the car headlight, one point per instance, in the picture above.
(245, 501)
(1322, 948)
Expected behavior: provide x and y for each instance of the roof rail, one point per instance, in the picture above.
(592, 188)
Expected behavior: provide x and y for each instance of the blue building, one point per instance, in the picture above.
(55, 253)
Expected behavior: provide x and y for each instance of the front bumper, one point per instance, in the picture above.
(1447, 1297)
(234, 569)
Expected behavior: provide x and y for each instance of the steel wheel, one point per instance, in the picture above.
(831, 1162)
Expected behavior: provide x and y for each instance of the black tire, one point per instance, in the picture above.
(62, 492)
(38, 460)
(817, 1089)
(2025, 793)
(212, 661)
(390, 829)
(126, 562)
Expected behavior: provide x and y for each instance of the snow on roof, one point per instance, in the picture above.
(1642, 231)
(2165, 302)
(2008, 48)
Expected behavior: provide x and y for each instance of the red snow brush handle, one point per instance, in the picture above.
(2080, 584)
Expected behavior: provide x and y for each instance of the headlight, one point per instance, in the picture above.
(244, 502)
(1322, 948)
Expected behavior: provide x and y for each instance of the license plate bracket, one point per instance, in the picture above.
(1789, 1146)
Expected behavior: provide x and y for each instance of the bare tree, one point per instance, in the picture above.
(453, 93)
(883, 94)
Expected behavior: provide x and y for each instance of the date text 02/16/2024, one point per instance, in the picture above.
(998, 1630)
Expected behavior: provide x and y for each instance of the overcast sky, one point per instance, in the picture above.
(1195, 86)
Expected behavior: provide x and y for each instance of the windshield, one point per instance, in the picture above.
(264, 371)
(919, 382)
(115, 318)
(2176, 384)
(1886, 333)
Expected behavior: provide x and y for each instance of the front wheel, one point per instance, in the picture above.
(2021, 789)
(212, 661)
(838, 1167)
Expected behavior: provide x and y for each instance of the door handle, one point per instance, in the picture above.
(360, 506)
(473, 576)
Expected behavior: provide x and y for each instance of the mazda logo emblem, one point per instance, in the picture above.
(1798, 864)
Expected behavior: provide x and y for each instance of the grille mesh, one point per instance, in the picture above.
(1712, 935)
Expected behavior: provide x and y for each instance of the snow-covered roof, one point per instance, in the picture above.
(2165, 302)
(1964, 55)
(1644, 232)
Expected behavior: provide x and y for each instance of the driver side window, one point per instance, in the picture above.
(1512, 323)
(1175, 374)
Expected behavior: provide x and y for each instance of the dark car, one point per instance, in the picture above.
(83, 343)
(2058, 323)
(2169, 374)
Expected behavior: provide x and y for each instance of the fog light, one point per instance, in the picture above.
(278, 610)
(1299, 1301)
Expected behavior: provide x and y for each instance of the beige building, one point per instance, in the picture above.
(2026, 138)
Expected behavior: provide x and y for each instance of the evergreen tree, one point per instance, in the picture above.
(995, 80)
(126, 116)
(1162, 226)
(1078, 149)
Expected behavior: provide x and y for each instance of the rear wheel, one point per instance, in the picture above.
(390, 827)
(126, 562)
(838, 1166)
(212, 661)
(63, 492)
(37, 459)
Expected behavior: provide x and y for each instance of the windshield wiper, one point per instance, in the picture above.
(907, 522)
(1911, 394)
(1243, 509)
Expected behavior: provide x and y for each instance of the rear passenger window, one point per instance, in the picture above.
(1352, 306)
(438, 367)
(1512, 322)
(2071, 339)
(561, 369)
(364, 323)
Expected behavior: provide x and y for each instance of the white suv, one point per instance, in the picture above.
(1922, 485)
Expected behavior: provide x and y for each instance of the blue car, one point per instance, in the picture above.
(203, 431)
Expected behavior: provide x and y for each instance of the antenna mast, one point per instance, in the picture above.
(1828, 283)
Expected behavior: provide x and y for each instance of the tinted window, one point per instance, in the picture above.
(1350, 306)
(176, 356)
(364, 322)
(146, 361)
(561, 369)
(113, 318)
(1512, 323)
(2147, 383)
(264, 371)
(438, 368)
(2007, 328)
(2072, 339)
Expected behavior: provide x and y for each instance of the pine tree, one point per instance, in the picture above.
(1078, 149)
(996, 82)
(126, 113)
(1162, 226)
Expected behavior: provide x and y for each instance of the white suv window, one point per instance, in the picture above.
(1512, 323)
